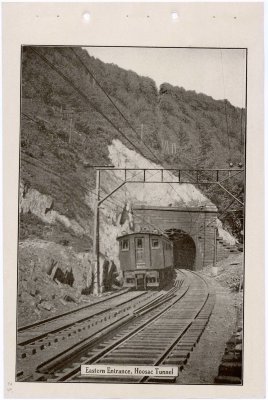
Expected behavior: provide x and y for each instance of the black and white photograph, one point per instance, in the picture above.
(131, 215)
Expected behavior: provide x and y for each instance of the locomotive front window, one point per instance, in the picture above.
(139, 243)
(155, 243)
(125, 245)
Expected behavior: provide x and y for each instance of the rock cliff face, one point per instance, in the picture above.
(45, 269)
(31, 201)
(41, 205)
(57, 191)
(46, 257)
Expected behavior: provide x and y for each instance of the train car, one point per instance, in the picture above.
(146, 259)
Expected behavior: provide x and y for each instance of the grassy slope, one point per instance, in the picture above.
(53, 165)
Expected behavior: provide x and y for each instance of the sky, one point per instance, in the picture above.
(215, 72)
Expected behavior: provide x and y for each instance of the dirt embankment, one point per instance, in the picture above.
(231, 276)
(51, 278)
(203, 365)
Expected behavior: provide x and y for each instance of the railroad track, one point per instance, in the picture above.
(49, 338)
(162, 332)
(98, 302)
(38, 330)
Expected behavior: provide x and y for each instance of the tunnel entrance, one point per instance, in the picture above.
(184, 250)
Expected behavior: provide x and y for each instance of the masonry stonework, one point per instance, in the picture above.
(197, 222)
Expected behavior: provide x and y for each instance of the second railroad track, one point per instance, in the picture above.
(162, 331)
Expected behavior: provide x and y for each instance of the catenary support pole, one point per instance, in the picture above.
(96, 243)
(215, 268)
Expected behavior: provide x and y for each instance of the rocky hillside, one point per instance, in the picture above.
(68, 123)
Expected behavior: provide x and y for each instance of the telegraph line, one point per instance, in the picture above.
(107, 118)
(85, 97)
(111, 100)
(123, 116)
(93, 192)
(66, 79)
(62, 177)
(49, 170)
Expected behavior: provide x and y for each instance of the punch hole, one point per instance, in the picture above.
(174, 15)
(86, 16)
(235, 17)
(148, 16)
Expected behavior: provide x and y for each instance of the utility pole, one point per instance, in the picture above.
(142, 132)
(195, 179)
(96, 241)
(215, 268)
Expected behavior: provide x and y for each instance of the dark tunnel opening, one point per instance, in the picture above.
(184, 250)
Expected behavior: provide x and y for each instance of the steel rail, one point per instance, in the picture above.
(52, 364)
(70, 373)
(63, 326)
(77, 310)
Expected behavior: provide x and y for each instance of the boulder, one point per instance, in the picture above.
(69, 298)
(45, 305)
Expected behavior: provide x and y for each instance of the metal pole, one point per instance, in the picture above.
(215, 268)
(234, 197)
(215, 247)
(96, 244)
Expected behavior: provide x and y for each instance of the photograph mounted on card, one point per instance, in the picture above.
(129, 246)
(133, 246)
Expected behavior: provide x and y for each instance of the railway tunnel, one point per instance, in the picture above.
(184, 250)
(191, 229)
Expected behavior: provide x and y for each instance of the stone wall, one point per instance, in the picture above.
(198, 223)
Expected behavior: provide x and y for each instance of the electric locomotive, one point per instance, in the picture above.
(146, 259)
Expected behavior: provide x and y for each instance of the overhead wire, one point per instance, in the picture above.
(49, 170)
(110, 99)
(107, 118)
(118, 205)
(221, 213)
(66, 79)
(123, 116)
(55, 173)
(99, 111)
(63, 178)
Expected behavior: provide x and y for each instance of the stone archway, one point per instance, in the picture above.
(184, 249)
(198, 223)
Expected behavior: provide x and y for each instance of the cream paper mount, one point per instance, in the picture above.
(176, 51)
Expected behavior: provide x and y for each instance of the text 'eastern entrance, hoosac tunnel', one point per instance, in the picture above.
(184, 250)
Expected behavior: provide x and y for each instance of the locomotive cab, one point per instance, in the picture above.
(146, 259)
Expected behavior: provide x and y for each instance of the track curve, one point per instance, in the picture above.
(163, 335)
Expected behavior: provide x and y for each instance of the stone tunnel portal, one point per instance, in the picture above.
(194, 230)
(184, 250)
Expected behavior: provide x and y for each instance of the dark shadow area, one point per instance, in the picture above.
(66, 277)
(184, 251)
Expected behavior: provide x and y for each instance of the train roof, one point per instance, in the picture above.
(143, 232)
